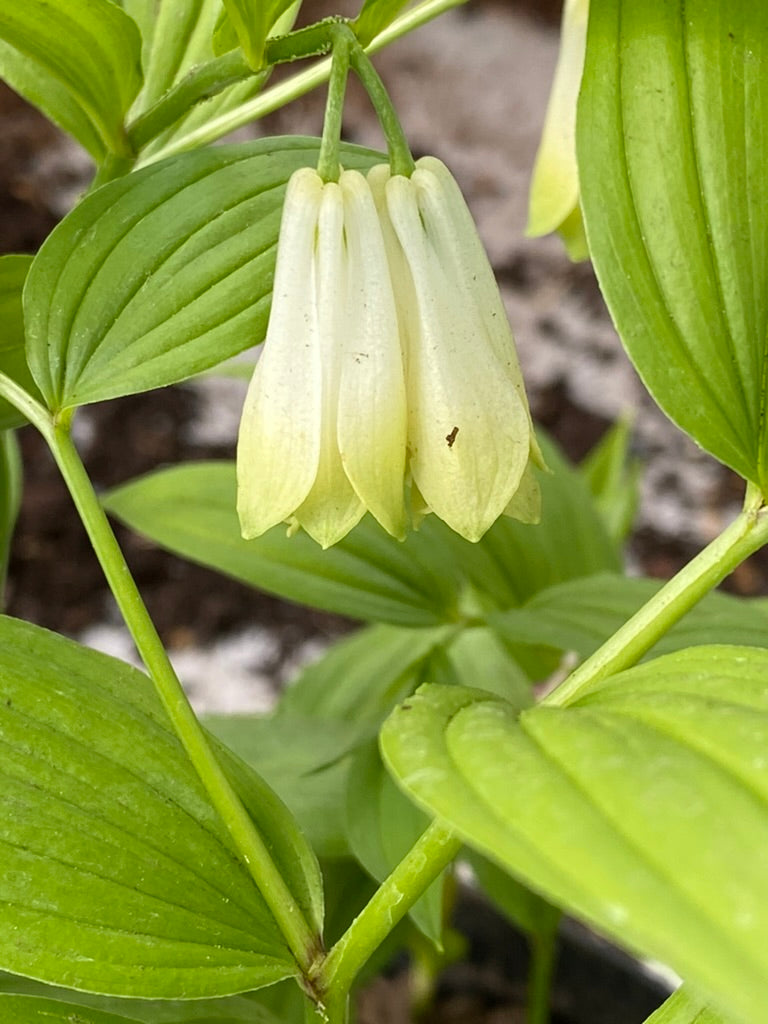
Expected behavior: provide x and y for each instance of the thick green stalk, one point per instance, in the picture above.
(298, 85)
(335, 973)
(746, 534)
(543, 952)
(301, 940)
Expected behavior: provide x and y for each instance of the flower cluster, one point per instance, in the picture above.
(388, 381)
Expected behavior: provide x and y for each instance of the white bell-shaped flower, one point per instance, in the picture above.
(323, 432)
(470, 437)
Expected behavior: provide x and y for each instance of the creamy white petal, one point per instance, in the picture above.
(372, 407)
(451, 229)
(468, 429)
(331, 508)
(279, 444)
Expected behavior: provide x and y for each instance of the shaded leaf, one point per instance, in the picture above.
(642, 808)
(382, 826)
(613, 475)
(580, 615)
(671, 151)
(118, 874)
(190, 509)
(252, 20)
(10, 499)
(80, 63)
(13, 361)
(162, 273)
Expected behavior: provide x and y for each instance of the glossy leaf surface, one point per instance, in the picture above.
(162, 273)
(13, 362)
(672, 151)
(644, 803)
(190, 509)
(80, 63)
(118, 876)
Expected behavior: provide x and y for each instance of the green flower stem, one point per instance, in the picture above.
(298, 85)
(400, 157)
(543, 955)
(746, 534)
(200, 84)
(334, 975)
(303, 943)
(328, 160)
(10, 499)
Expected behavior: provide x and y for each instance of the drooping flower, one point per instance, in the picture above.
(388, 381)
(470, 437)
(554, 196)
(322, 435)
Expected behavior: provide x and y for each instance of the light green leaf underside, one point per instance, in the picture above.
(685, 1008)
(13, 362)
(163, 273)
(643, 808)
(580, 615)
(80, 63)
(672, 152)
(191, 510)
(118, 875)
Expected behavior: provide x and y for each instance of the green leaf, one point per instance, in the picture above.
(685, 1008)
(374, 16)
(244, 1009)
(515, 560)
(80, 63)
(476, 656)
(10, 499)
(671, 151)
(190, 509)
(162, 273)
(118, 875)
(382, 826)
(642, 808)
(580, 615)
(13, 361)
(613, 476)
(34, 1010)
(252, 20)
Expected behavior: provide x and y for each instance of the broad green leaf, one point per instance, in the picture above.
(162, 273)
(190, 509)
(242, 1009)
(642, 808)
(10, 499)
(118, 875)
(361, 678)
(514, 560)
(374, 16)
(13, 362)
(580, 615)
(35, 1010)
(80, 63)
(613, 475)
(477, 656)
(252, 20)
(684, 1008)
(671, 152)
(382, 826)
